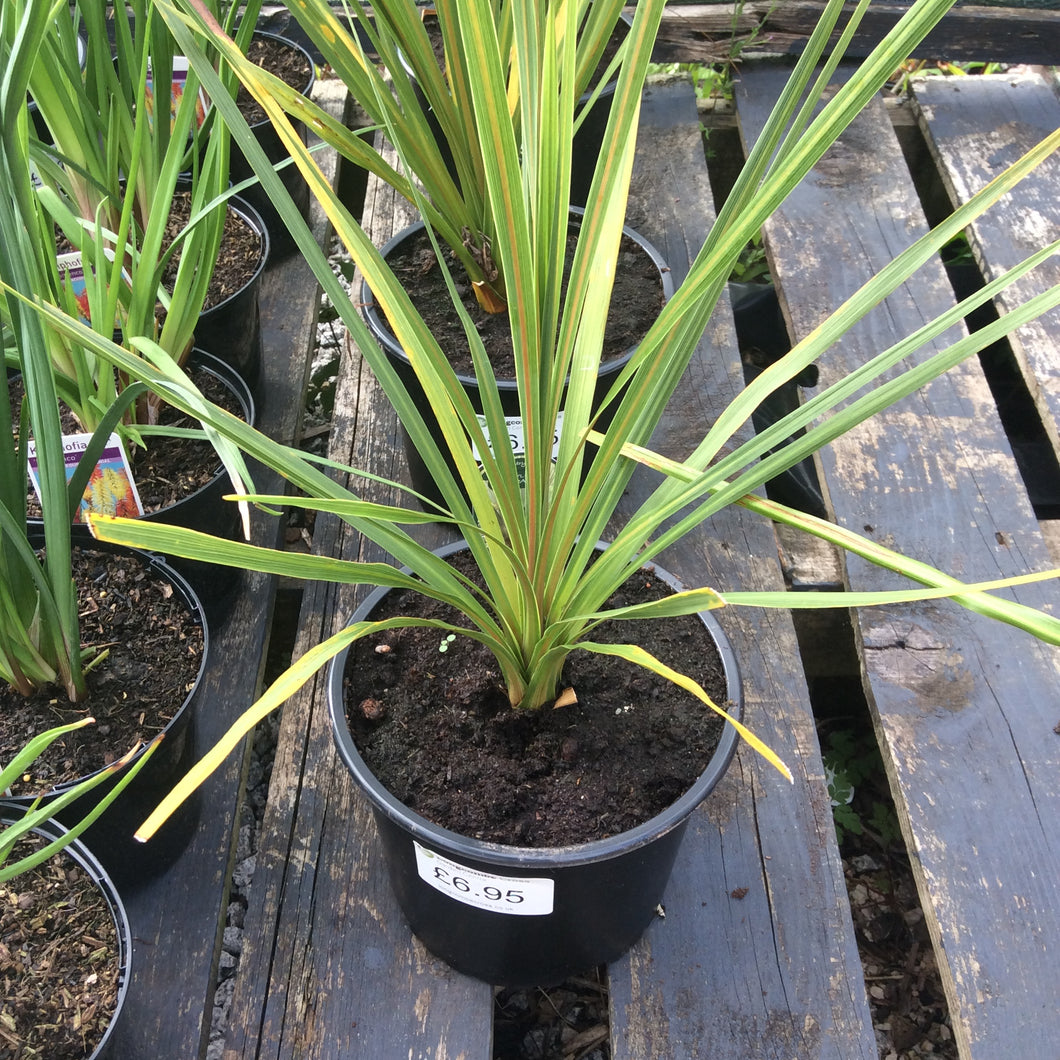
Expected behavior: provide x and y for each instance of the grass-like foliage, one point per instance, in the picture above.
(532, 535)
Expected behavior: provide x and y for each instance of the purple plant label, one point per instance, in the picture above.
(111, 489)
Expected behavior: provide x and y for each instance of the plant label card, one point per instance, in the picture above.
(180, 79)
(72, 276)
(72, 271)
(516, 439)
(111, 489)
(511, 895)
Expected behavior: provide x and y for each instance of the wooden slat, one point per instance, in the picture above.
(965, 708)
(1016, 112)
(329, 969)
(704, 32)
(177, 918)
(756, 955)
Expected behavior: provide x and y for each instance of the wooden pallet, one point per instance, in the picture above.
(757, 955)
(329, 969)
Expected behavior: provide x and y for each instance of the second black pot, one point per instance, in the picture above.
(508, 389)
(231, 330)
(281, 242)
(86, 861)
(110, 838)
(206, 510)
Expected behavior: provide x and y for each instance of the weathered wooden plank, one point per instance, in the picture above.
(965, 708)
(178, 918)
(706, 32)
(330, 969)
(974, 130)
(756, 955)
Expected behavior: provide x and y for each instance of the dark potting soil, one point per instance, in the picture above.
(170, 469)
(237, 258)
(58, 961)
(636, 301)
(435, 727)
(153, 654)
(282, 60)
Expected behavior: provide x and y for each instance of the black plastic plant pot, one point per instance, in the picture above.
(419, 475)
(231, 330)
(205, 509)
(520, 916)
(110, 837)
(282, 243)
(81, 854)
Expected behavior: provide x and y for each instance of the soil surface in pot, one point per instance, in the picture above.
(154, 651)
(170, 469)
(636, 301)
(238, 257)
(432, 720)
(59, 956)
(284, 61)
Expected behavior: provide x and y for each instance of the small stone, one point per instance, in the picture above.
(244, 873)
(232, 942)
(372, 709)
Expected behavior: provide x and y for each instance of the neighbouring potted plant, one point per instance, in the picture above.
(144, 205)
(59, 655)
(64, 999)
(119, 284)
(537, 592)
(389, 62)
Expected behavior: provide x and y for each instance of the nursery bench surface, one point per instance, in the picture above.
(756, 955)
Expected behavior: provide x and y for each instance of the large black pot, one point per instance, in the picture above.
(231, 330)
(282, 244)
(521, 916)
(111, 836)
(508, 389)
(82, 856)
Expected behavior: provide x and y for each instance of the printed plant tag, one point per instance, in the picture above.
(111, 489)
(180, 79)
(511, 895)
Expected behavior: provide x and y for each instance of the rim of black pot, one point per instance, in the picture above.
(501, 853)
(159, 566)
(381, 329)
(248, 213)
(295, 46)
(211, 363)
(10, 813)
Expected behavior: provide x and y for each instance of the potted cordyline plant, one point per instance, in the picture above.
(424, 105)
(398, 80)
(539, 589)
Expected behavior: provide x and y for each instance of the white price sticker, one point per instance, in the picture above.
(514, 895)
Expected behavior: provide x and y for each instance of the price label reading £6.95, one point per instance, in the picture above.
(500, 894)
